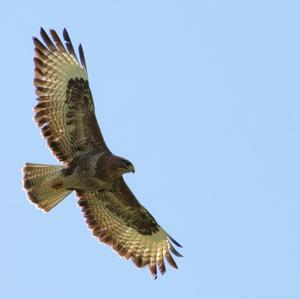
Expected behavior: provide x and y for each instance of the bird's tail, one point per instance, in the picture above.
(44, 184)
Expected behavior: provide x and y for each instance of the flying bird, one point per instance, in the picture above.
(66, 115)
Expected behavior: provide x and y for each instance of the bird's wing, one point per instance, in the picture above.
(117, 219)
(65, 110)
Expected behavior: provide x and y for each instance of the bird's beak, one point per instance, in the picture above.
(132, 169)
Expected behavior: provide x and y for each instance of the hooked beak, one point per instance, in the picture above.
(132, 169)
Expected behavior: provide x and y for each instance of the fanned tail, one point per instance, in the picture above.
(44, 185)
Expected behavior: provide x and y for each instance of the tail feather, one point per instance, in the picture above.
(44, 185)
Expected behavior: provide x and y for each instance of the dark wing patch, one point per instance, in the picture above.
(129, 209)
(65, 110)
(128, 228)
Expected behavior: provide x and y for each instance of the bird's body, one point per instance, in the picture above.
(80, 174)
(91, 169)
(66, 115)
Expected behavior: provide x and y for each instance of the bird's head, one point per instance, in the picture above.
(124, 165)
(111, 167)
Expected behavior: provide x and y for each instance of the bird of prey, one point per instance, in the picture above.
(66, 115)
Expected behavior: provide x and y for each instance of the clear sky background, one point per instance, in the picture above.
(203, 97)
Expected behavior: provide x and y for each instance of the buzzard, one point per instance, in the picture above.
(66, 115)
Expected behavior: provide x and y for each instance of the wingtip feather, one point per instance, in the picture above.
(174, 241)
(81, 55)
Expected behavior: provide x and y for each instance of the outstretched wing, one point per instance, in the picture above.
(120, 221)
(65, 111)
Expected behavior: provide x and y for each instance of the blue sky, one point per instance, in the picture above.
(203, 98)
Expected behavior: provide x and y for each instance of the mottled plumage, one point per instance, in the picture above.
(66, 115)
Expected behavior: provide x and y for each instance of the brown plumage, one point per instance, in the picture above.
(66, 115)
